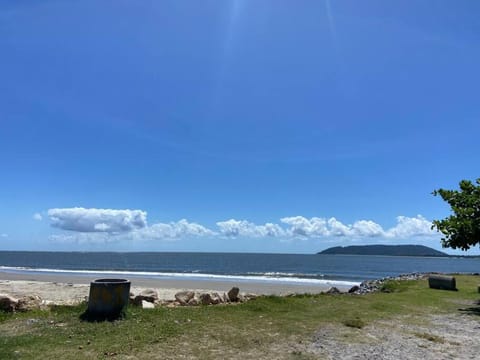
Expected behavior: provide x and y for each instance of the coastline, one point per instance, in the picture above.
(70, 289)
(395, 332)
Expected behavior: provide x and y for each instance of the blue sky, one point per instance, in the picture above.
(272, 126)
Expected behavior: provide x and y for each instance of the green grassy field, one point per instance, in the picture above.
(255, 327)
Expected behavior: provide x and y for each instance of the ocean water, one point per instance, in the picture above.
(273, 268)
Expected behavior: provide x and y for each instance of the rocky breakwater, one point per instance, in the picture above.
(149, 298)
(370, 286)
(10, 303)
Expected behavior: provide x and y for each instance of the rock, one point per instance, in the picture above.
(333, 290)
(193, 302)
(250, 296)
(205, 299)
(29, 302)
(216, 298)
(32, 321)
(370, 286)
(147, 305)
(149, 295)
(233, 294)
(131, 298)
(354, 289)
(183, 297)
(137, 301)
(8, 303)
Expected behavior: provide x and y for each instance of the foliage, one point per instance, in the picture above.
(462, 229)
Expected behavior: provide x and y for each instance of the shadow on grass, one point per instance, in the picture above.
(101, 317)
(474, 310)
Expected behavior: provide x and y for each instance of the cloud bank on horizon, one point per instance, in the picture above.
(110, 225)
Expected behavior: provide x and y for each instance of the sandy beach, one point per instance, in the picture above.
(70, 289)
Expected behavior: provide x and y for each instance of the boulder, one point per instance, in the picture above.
(333, 290)
(183, 297)
(354, 289)
(8, 303)
(147, 305)
(149, 295)
(205, 299)
(193, 302)
(233, 294)
(29, 302)
(216, 298)
(131, 298)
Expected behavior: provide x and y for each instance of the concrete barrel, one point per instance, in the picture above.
(108, 298)
(442, 282)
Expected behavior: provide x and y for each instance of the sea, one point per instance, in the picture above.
(236, 267)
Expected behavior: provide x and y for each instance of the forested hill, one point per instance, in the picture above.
(390, 250)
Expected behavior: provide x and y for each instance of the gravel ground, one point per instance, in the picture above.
(453, 336)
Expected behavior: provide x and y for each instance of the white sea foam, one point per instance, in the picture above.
(265, 278)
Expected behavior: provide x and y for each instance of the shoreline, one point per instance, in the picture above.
(70, 289)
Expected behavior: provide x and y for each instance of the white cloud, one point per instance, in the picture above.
(160, 231)
(367, 228)
(172, 231)
(273, 230)
(299, 225)
(243, 228)
(37, 216)
(336, 228)
(4, 235)
(411, 227)
(320, 227)
(97, 220)
(109, 225)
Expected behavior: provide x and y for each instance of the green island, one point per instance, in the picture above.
(386, 250)
(419, 321)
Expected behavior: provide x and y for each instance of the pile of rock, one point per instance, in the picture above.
(370, 286)
(149, 298)
(9, 303)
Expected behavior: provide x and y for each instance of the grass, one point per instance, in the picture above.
(430, 337)
(253, 328)
(354, 323)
